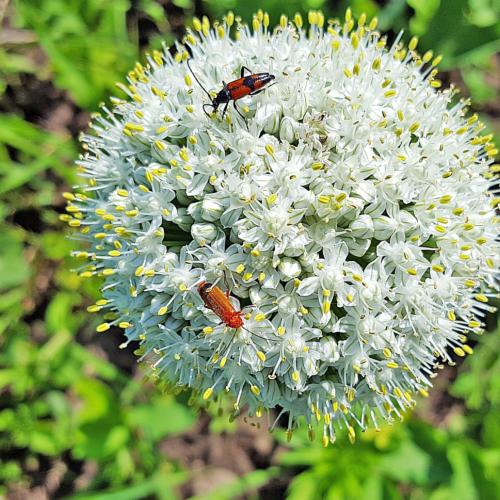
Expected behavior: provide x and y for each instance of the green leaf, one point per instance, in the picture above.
(151, 419)
(474, 45)
(86, 42)
(462, 482)
(14, 270)
(408, 464)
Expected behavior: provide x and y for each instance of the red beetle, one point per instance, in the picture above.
(251, 84)
(218, 301)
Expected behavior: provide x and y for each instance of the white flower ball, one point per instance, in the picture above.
(348, 216)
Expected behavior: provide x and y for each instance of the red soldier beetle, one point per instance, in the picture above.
(218, 302)
(251, 84)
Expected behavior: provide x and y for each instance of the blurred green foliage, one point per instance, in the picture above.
(62, 399)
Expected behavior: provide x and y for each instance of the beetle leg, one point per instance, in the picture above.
(239, 112)
(255, 92)
(225, 109)
(227, 285)
(205, 111)
(243, 68)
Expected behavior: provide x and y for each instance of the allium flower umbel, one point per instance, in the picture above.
(349, 217)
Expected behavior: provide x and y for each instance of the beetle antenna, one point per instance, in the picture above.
(199, 83)
(260, 337)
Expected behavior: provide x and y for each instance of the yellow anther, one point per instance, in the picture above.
(438, 268)
(240, 268)
(295, 376)
(351, 434)
(348, 73)
(481, 298)
(149, 273)
(114, 253)
(414, 127)
(297, 19)
(262, 277)
(280, 331)
(255, 252)
(196, 24)
(412, 271)
(261, 356)
(392, 364)
(271, 199)
(376, 63)
(390, 93)
(354, 40)
(387, 352)
(459, 351)
(468, 349)
(324, 199)
(437, 60)
(427, 56)
(255, 390)
(103, 327)
(208, 393)
(326, 307)
(423, 393)
(108, 272)
(451, 315)
(134, 127)
(247, 276)
(413, 43)
(162, 311)
(269, 149)
(259, 317)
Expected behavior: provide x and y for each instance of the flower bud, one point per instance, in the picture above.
(211, 209)
(362, 227)
(288, 129)
(384, 227)
(289, 268)
(183, 219)
(268, 116)
(204, 233)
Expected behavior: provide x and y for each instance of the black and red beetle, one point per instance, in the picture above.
(251, 84)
